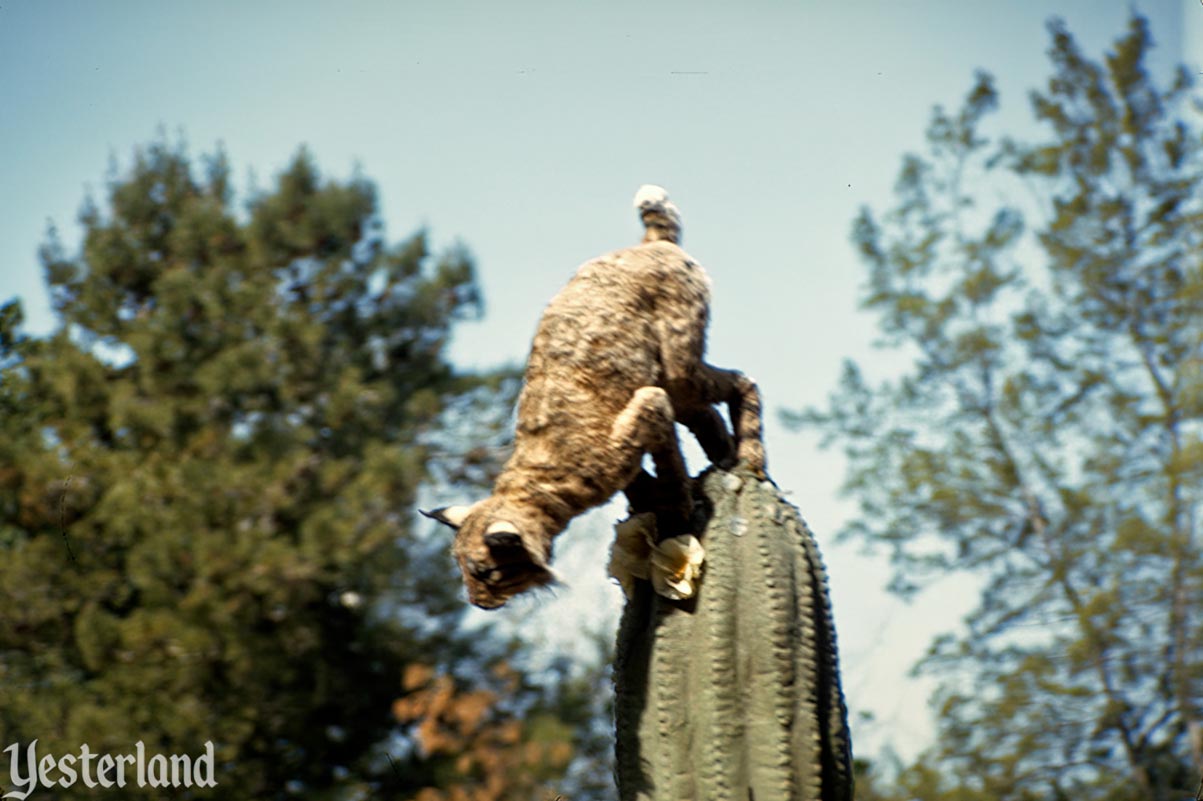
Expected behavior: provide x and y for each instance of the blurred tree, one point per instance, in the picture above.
(1048, 433)
(207, 477)
(513, 739)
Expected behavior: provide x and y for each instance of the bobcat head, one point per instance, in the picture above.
(501, 550)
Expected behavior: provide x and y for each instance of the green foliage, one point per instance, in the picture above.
(207, 481)
(1048, 433)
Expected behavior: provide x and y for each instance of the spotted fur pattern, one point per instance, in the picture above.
(616, 360)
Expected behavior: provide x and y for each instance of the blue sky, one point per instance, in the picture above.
(523, 129)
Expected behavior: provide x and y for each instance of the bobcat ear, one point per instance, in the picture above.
(503, 534)
(449, 515)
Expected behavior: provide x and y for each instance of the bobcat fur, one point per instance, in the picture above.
(616, 361)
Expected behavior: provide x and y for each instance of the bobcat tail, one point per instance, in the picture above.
(661, 218)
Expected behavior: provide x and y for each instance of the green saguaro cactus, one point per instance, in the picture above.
(734, 694)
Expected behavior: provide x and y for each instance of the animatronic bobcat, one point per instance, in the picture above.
(616, 359)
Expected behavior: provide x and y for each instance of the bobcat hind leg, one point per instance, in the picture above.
(742, 397)
(710, 430)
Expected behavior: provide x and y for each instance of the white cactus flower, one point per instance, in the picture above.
(676, 566)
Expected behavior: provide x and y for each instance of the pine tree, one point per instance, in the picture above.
(1047, 433)
(207, 484)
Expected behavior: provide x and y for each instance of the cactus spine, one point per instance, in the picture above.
(735, 694)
